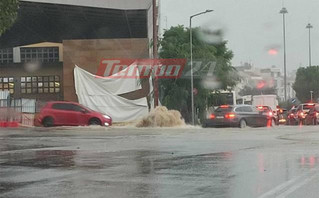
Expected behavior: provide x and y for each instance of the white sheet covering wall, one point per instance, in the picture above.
(101, 94)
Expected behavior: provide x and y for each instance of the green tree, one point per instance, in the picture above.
(307, 79)
(176, 93)
(8, 14)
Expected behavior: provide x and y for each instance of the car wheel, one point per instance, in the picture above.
(204, 125)
(242, 124)
(48, 122)
(95, 121)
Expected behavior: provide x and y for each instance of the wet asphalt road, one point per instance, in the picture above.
(185, 162)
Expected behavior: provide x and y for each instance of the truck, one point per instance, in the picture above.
(247, 99)
(265, 100)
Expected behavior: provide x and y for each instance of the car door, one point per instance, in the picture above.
(80, 116)
(259, 118)
(60, 113)
(245, 113)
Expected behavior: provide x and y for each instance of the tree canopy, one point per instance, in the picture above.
(8, 14)
(307, 79)
(176, 93)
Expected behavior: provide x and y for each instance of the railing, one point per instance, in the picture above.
(18, 110)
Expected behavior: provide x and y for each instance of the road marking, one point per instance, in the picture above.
(296, 186)
(289, 185)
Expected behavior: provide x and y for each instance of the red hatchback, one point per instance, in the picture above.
(69, 114)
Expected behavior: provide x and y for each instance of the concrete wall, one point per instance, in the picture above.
(88, 54)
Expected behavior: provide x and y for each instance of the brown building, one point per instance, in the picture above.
(37, 62)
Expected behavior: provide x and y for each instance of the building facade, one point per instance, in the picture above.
(269, 77)
(38, 53)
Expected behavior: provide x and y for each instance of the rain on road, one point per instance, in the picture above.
(181, 162)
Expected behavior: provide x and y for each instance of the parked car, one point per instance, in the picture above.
(303, 110)
(237, 116)
(61, 113)
(312, 117)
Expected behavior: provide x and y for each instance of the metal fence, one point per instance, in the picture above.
(18, 110)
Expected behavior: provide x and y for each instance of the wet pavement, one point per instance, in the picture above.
(182, 162)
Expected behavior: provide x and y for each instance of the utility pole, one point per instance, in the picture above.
(155, 55)
(284, 11)
(309, 26)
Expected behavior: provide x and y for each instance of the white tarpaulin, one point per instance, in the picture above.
(101, 94)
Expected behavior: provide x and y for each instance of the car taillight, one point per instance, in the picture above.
(302, 114)
(224, 106)
(270, 113)
(230, 115)
(212, 116)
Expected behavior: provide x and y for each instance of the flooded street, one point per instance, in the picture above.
(181, 162)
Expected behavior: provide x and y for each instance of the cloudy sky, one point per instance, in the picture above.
(253, 27)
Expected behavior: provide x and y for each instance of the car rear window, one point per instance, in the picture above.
(224, 109)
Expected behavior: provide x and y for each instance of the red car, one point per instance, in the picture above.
(69, 114)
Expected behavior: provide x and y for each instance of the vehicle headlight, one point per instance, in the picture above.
(107, 117)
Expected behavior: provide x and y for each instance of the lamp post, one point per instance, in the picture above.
(309, 26)
(191, 51)
(311, 92)
(284, 11)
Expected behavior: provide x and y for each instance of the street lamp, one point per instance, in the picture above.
(191, 49)
(284, 11)
(309, 26)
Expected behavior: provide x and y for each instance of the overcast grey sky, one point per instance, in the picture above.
(252, 27)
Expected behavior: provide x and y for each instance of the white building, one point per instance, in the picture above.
(267, 77)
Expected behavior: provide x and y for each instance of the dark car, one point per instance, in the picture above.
(303, 110)
(237, 116)
(282, 116)
(271, 114)
(292, 117)
(69, 114)
(312, 117)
